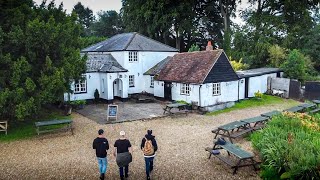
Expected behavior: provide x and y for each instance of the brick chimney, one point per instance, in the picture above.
(209, 46)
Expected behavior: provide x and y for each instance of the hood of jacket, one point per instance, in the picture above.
(149, 137)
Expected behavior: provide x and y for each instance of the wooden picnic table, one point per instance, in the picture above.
(228, 130)
(53, 122)
(271, 113)
(295, 109)
(308, 105)
(244, 158)
(316, 101)
(4, 126)
(256, 120)
(169, 107)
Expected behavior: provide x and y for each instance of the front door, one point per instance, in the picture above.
(167, 91)
(246, 86)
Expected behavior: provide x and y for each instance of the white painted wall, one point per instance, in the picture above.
(242, 88)
(159, 89)
(111, 77)
(229, 92)
(176, 95)
(259, 83)
(147, 83)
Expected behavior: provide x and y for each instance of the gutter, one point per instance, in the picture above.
(200, 95)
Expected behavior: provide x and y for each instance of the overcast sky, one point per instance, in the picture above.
(94, 5)
(105, 5)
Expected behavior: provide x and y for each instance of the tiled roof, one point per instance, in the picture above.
(103, 63)
(129, 42)
(155, 70)
(190, 67)
(257, 72)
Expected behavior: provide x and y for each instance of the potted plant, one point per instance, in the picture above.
(258, 95)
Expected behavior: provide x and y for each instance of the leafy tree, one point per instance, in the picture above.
(109, 23)
(90, 40)
(294, 67)
(277, 55)
(194, 47)
(85, 15)
(238, 65)
(39, 59)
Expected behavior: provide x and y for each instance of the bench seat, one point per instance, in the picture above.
(315, 111)
(40, 124)
(240, 133)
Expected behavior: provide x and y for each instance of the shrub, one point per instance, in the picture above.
(258, 94)
(96, 95)
(290, 146)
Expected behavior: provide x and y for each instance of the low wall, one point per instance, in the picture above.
(219, 106)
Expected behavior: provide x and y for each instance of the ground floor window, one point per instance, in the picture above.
(81, 86)
(216, 89)
(185, 89)
(152, 82)
(131, 80)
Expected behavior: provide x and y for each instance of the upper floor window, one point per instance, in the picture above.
(216, 89)
(133, 56)
(185, 89)
(131, 80)
(80, 86)
(152, 82)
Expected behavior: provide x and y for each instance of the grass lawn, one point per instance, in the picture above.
(27, 129)
(253, 102)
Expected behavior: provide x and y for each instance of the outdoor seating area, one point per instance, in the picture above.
(182, 108)
(239, 128)
(4, 126)
(42, 126)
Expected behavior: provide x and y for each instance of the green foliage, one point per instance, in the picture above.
(109, 24)
(258, 95)
(289, 146)
(238, 65)
(294, 67)
(183, 102)
(253, 102)
(90, 40)
(78, 102)
(193, 48)
(85, 15)
(39, 59)
(277, 55)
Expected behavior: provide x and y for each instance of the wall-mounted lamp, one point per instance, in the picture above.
(89, 76)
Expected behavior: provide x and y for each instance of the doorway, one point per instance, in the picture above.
(167, 91)
(117, 88)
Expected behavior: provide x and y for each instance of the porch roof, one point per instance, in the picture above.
(103, 63)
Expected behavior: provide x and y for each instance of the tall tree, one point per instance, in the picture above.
(109, 23)
(85, 16)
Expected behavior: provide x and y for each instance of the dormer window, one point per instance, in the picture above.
(133, 56)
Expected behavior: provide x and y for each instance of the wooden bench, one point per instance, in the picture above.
(240, 133)
(315, 111)
(182, 112)
(4, 126)
(245, 158)
(54, 122)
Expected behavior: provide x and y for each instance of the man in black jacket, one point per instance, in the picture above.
(101, 145)
(149, 157)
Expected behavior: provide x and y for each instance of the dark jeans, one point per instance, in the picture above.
(149, 165)
(126, 170)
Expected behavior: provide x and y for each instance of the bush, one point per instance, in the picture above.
(290, 146)
(182, 102)
(258, 94)
(96, 95)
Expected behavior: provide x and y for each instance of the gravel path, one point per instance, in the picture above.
(181, 150)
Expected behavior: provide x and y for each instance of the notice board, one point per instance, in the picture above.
(112, 111)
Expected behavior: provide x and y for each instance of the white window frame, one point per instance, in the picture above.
(152, 81)
(131, 80)
(133, 56)
(216, 89)
(185, 89)
(80, 86)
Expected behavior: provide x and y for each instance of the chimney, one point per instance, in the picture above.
(209, 46)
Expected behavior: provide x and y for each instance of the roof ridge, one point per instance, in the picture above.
(133, 36)
(156, 41)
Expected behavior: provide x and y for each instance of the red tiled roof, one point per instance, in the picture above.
(190, 67)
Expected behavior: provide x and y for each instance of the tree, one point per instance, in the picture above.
(85, 15)
(294, 67)
(40, 58)
(193, 48)
(277, 55)
(238, 65)
(109, 23)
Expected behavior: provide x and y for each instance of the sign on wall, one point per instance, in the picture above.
(112, 112)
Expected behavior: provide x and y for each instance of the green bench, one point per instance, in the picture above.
(243, 157)
(42, 124)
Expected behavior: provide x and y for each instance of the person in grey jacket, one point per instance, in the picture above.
(123, 154)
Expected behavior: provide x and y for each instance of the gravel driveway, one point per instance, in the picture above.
(181, 150)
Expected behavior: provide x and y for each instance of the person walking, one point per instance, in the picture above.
(149, 147)
(123, 153)
(101, 145)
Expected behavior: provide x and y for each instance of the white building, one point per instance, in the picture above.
(115, 67)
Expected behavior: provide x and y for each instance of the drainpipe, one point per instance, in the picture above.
(200, 95)
(238, 90)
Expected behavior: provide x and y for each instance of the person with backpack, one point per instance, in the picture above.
(149, 147)
(101, 145)
(123, 153)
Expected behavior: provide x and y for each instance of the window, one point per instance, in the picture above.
(185, 89)
(133, 56)
(81, 86)
(131, 80)
(216, 89)
(152, 82)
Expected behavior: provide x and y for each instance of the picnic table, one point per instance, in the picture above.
(179, 106)
(243, 157)
(271, 113)
(54, 122)
(295, 109)
(316, 101)
(227, 130)
(256, 121)
(308, 105)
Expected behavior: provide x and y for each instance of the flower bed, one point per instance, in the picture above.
(290, 147)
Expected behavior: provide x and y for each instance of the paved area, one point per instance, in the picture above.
(127, 111)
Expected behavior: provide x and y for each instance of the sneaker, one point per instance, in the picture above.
(127, 175)
(102, 177)
(148, 178)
